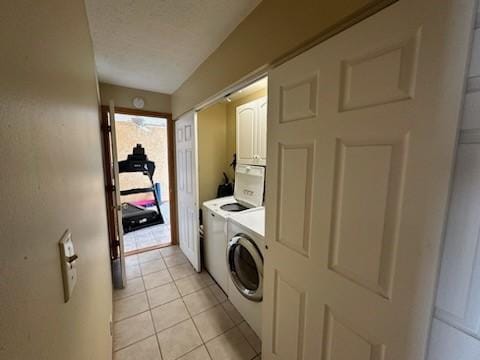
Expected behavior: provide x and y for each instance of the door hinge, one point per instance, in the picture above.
(106, 128)
(110, 188)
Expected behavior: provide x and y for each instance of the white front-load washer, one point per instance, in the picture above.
(244, 258)
(249, 185)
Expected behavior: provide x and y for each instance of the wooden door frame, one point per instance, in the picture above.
(108, 172)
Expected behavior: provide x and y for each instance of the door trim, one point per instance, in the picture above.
(108, 175)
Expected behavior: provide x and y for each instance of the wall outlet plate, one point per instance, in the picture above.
(68, 262)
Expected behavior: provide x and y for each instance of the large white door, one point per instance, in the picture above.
(187, 187)
(361, 139)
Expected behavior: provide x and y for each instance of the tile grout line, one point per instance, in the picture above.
(191, 318)
(228, 316)
(151, 317)
(193, 322)
(203, 287)
(169, 301)
(133, 343)
(145, 289)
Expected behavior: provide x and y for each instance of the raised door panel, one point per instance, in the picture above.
(246, 130)
(367, 190)
(343, 342)
(289, 319)
(294, 200)
(381, 77)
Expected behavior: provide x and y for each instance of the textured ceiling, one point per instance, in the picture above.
(156, 44)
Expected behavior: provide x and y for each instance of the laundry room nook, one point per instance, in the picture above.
(233, 220)
(222, 140)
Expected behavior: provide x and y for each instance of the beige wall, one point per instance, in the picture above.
(232, 124)
(51, 180)
(272, 30)
(155, 145)
(123, 97)
(212, 146)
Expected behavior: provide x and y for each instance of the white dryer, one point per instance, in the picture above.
(248, 195)
(244, 258)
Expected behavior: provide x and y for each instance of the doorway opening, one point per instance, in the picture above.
(143, 147)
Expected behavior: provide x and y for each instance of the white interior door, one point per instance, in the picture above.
(187, 187)
(118, 268)
(361, 139)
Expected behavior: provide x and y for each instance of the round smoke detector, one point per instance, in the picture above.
(138, 103)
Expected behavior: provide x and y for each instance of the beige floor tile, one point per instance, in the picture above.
(162, 294)
(175, 259)
(230, 346)
(193, 283)
(200, 300)
(144, 350)
(152, 266)
(170, 250)
(169, 314)
(258, 357)
(199, 353)
(232, 312)
(128, 331)
(131, 260)
(180, 271)
(251, 337)
(158, 278)
(129, 306)
(149, 256)
(134, 286)
(212, 322)
(133, 271)
(178, 340)
(218, 292)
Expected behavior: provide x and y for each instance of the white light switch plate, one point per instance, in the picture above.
(68, 264)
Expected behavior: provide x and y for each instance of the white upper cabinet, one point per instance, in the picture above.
(252, 132)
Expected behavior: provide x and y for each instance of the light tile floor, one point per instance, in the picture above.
(146, 237)
(168, 312)
(150, 236)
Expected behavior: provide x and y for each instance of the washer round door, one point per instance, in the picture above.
(245, 266)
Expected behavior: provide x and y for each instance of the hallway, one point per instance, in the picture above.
(168, 311)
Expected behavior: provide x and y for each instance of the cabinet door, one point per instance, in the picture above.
(246, 129)
(261, 151)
